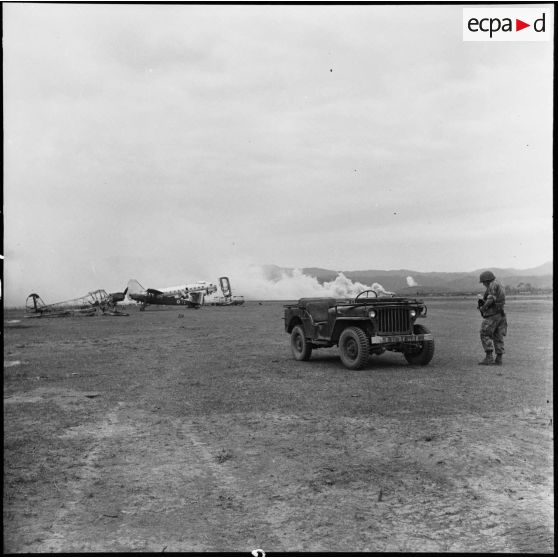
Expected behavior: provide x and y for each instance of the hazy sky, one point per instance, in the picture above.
(172, 143)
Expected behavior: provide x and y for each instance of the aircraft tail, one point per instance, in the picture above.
(225, 287)
(134, 287)
(34, 303)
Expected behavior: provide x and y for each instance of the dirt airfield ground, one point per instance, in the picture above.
(196, 431)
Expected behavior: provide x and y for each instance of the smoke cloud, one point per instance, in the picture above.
(256, 282)
(411, 282)
(259, 283)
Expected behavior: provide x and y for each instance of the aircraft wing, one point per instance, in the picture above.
(154, 292)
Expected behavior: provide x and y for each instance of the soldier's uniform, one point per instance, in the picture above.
(494, 324)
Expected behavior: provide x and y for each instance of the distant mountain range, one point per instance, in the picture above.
(408, 281)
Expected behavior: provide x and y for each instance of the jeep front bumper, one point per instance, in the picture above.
(381, 340)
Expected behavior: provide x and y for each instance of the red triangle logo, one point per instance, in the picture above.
(519, 25)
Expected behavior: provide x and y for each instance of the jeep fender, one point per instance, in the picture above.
(294, 322)
(341, 324)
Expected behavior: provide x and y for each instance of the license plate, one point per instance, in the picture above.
(401, 338)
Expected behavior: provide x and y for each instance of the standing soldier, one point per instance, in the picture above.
(494, 324)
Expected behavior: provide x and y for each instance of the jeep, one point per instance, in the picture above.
(360, 327)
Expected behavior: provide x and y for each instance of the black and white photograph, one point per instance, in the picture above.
(277, 278)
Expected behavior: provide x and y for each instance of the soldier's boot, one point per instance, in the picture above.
(498, 360)
(488, 359)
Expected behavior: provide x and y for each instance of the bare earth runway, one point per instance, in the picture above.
(201, 434)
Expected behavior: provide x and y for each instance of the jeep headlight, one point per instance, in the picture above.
(413, 313)
(372, 313)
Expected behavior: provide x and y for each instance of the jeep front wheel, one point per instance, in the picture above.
(423, 352)
(354, 348)
(300, 347)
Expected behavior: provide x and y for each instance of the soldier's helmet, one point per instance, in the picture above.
(486, 276)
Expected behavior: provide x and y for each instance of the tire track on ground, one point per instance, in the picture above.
(146, 483)
(73, 508)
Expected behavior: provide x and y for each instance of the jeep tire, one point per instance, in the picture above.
(354, 348)
(300, 346)
(422, 355)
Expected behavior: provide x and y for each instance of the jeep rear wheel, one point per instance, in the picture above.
(354, 348)
(300, 347)
(423, 352)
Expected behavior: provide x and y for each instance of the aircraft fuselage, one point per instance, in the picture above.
(189, 296)
(163, 299)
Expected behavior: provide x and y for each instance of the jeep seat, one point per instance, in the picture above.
(317, 307)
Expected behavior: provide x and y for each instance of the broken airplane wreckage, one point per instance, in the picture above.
(193, 295)
(89, 305)
(227, 299)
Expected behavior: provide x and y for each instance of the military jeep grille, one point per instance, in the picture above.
(393, 320)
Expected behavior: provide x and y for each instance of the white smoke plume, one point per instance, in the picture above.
(258, 283)
(411, 282)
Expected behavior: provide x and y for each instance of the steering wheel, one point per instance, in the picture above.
(366, 293)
